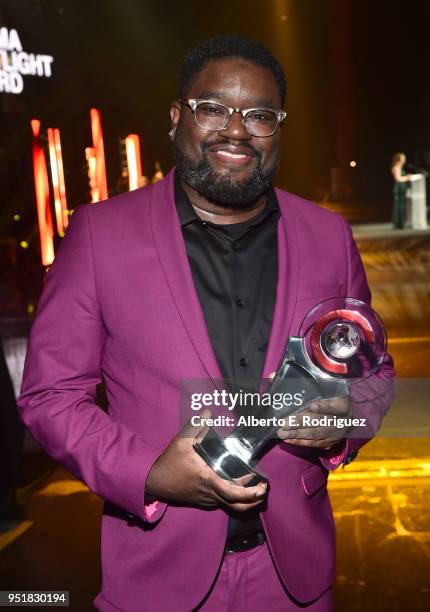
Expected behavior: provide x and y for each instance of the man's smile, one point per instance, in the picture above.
(232, 155)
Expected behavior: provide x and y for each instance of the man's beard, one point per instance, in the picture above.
(223, 189)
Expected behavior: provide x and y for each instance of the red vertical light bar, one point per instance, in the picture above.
(55, 182)
(41, 184)
(96, 130)
(134, 163)
(90, 155)
(61, 182)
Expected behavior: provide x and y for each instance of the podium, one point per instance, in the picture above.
(416, 203)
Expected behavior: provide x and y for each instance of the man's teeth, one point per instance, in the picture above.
(234, 155)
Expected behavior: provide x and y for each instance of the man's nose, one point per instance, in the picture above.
(235, 129)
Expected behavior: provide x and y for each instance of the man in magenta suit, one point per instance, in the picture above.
(201, 276)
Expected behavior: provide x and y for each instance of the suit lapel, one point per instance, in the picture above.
(174, 262)
(287, 287)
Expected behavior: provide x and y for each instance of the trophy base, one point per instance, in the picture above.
(214, 452)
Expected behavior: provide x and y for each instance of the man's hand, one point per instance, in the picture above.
(319, 436)
(181, 475)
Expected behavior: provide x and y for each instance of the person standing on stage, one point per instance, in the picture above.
(399, 189)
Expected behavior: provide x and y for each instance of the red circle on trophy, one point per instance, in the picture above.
(345, 337)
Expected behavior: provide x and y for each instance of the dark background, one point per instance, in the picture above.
(357, 77)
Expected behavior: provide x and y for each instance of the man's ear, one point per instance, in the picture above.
(175, 113)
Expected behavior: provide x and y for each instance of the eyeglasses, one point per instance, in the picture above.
(212, 116)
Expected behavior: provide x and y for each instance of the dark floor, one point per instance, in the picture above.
(383, 536)
(57, 547)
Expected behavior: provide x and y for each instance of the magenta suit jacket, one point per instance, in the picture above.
(119, 301)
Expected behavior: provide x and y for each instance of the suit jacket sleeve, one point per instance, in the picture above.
(371, 398)
(62, 368)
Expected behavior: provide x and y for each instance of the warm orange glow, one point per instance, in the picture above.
(90, 154)
(381, 469)
(46, 231)
(61, 183)
(158, 173)
(134, 163)
(99, 153)
(35, 127)
(55, 181)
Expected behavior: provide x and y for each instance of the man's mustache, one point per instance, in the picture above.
(206, 146)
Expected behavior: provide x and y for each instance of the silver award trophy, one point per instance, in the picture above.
(341, 341)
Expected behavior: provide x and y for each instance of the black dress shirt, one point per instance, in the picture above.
(235, 271)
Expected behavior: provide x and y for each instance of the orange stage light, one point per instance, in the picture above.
(57, 174)
(134, 164)
(46, 231)
(55, 181)
(61, 183)
(99, 154)
(90, 154)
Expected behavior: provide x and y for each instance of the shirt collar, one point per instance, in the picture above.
(187, 214)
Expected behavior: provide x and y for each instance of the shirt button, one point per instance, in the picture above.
(234, 246)
(243, 362)
(240, 303)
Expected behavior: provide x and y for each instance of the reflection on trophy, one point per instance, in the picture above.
(341, 341)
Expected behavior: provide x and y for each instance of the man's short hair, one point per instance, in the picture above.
(229, 46)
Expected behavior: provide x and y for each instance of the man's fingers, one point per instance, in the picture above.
(244, 480)
(232, 493)
(338, 406)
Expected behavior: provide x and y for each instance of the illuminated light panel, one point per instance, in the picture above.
(55, 181)
(99, 154)
(44, 217)
(134, 163)
(90, 155)
(61, 183)
(57, 174)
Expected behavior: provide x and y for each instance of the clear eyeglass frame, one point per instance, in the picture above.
(193, 104)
